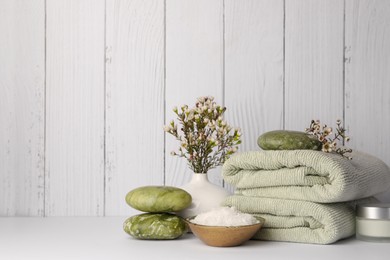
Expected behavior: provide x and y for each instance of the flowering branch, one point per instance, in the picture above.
(323, 134)
(206, 140)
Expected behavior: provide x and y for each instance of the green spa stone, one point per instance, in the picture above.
(158, 199)
(288, 140)
(159, 226)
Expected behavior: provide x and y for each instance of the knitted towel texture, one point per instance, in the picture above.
(307, 175)
(300, 221)
(305, 196)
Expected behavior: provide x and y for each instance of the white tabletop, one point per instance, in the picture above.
(103, 238)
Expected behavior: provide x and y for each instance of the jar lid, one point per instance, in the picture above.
(373, 211)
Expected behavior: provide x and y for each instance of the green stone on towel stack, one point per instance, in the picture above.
(288, 140)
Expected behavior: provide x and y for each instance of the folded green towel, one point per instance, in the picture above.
(307, 175)
(299, 221)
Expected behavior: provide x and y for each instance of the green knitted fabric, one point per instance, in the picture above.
(306, 175)
(299, 221)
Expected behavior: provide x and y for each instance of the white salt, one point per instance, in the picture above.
(224, 216)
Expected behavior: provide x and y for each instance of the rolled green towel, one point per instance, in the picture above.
(307, 175)
(299, 221)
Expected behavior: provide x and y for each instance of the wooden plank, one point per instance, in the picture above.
(22, 76)
(135, 99)
(367, 77)
(313, 62)
(194, 68)
(75, 108)
(254, 67)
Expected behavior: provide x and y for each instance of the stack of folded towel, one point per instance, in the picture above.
(305, 196)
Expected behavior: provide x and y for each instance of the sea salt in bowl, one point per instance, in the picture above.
(224, 227)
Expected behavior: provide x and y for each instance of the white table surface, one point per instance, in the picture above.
(103, 238)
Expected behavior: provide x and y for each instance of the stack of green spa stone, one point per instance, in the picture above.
(160, 203)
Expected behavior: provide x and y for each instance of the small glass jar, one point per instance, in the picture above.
(373, 222)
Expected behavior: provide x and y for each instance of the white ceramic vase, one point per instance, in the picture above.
(205, 195)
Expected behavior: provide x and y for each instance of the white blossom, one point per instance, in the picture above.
(167, 128)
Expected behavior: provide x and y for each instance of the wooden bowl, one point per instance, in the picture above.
(223, 236)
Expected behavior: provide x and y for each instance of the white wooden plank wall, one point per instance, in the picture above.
(87, 86)
(313, 62)
(367, 77)
(74, 108)
(22, 77)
